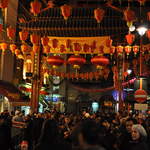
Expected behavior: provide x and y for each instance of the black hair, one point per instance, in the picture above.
(132, 119)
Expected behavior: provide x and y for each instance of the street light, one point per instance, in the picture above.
(141, 30)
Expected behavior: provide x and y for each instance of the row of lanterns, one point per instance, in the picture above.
(77, 61)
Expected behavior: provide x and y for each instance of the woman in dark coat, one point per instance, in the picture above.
(139, 137)
(50, 138)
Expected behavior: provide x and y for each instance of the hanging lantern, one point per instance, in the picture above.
(23, 35)
(13, 48)
(130, 38)
(119, 50)
(36, 48)
(44, 41)
(35, 39)
(148, 16)
(4, 47)
(100, 61)
(148, 34)
(142, 2)
(99, 14)
(66, 11)
(1, 28)
(11, 32)
(129, 16)
(112, 50)
(17, 52)
(35, 7)
(4, 3)
(135, 49)
(55, 61)
(24, 48)
(127, 49)
(76, 61)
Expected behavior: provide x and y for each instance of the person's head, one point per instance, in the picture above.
(129, 123)
(138, 132)
(88, 133)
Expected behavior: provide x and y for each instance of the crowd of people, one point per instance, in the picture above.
(86, 131)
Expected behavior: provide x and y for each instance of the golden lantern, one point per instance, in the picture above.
(13, 48)
(119, 50)
(127, 49)
(17, 52)
(135, 49)
(24, 48)
(23, 35)
(36, 48)
(3, 47)
(44, 41)
(35, 39)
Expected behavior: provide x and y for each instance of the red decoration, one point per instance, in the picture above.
(66, 11)
(11, 32)
(100, 61)
(44, 41)
(76, 61)
(3, 46)
(35, 39)
(140, 95)
(130, 38)
(55, 43)
(24, 48)
(35, 7)
(23, 35)
(135, 49)
(148, 16)
(55, 61)
(129, 15)
(68, 43)
(93, 46)
(1, 28)
(17, 52)
(108, 42)
(119, 50)
(77, 47)
(36, 48)
(99, 14)
(13, 48)
(127, 49)
(62, 48)
(86, 48)
(4, 3)
(148, 34)
(46, 49)
(112, 50)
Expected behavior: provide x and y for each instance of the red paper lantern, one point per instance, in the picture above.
(11, 32)
(44, 41)
(135, 49)
(4, 3)
(127, 49)
(1, 28)
(4, 46)
(130, 38)
(76, 61)
(35, 39)
(112, 50)
(66, 11)
(140, 95)
(23, 35)
(100, 61)
(13, 48)
(119, 50)
(99, 14)
(55, 61)
(129, 16)
(35, 7)
(148, 16)
(148, 34)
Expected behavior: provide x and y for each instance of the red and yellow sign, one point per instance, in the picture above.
(79, 45)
